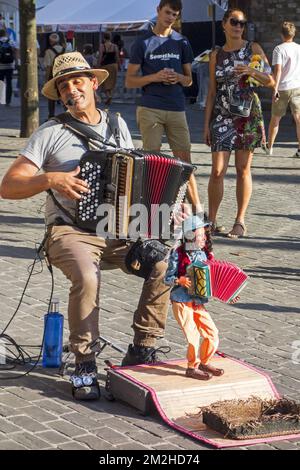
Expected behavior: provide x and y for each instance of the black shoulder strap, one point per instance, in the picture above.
(84, 131)
(57, 53)
(113, 123)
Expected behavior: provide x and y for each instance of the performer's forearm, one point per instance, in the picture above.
(22, 187)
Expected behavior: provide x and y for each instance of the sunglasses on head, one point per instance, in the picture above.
(235, 22)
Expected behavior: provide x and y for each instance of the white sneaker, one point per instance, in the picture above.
(297, 154)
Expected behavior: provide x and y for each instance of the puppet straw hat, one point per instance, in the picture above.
(68, 64)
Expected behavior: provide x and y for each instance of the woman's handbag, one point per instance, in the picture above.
(239, 99)
(240, 103)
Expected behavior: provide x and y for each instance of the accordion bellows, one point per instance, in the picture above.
(219, 279)
(123, 179)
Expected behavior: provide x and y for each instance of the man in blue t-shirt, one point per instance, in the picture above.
(164, 57)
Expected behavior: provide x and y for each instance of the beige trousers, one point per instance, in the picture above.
(153, 123)
(78, 255)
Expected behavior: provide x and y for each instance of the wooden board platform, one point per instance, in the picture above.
(178, 398)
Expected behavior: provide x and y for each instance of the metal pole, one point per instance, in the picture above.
(28, 72)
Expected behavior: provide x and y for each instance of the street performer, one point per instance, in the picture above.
(78, 253)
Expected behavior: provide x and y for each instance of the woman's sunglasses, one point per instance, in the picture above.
(235, 22)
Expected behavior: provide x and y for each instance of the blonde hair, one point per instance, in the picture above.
(288, 30)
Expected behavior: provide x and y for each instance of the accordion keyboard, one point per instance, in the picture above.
(87, 207)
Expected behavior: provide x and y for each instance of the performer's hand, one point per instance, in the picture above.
(184, 212)
(67, 183)
(235, 300)
(184, 281)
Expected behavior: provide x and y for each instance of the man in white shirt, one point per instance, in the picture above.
(286, 63)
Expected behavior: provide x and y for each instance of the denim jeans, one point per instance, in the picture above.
(7, 75)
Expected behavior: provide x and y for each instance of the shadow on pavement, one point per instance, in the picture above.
(12, 251)
(268, 308)
(16, 219)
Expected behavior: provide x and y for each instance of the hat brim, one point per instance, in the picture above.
(50, 91)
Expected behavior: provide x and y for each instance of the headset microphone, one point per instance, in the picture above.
(70, 102)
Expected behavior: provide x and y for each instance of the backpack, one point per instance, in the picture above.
(143, 255)
(6, 52)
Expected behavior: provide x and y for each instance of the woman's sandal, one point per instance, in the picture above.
(238, 230)
(217, 229)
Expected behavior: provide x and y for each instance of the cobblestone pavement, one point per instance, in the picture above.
(37, 412)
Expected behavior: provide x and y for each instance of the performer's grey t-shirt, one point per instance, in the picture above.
(55, 148)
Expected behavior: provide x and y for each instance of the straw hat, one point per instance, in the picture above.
(68, 64)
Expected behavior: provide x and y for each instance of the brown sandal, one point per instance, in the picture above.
(211, 370)
(238, 230)
(197, 374)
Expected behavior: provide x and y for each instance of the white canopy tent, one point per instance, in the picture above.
(197, 10)
(89, 15)
(42, 3)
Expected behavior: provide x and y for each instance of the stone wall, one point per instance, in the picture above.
(267, 15)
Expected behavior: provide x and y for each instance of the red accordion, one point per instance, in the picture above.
(132, 181)
(219, 279)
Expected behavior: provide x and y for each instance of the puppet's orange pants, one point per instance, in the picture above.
(196, 322)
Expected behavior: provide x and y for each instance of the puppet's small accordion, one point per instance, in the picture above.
(132, 182)
(219, 279)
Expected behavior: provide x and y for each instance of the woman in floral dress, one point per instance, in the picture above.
(225, 132)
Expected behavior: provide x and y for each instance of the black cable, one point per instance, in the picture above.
(21, 356)
(38, 251)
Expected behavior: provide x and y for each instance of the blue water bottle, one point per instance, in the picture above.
(53, 336)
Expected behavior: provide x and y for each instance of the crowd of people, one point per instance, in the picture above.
(159, 64)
